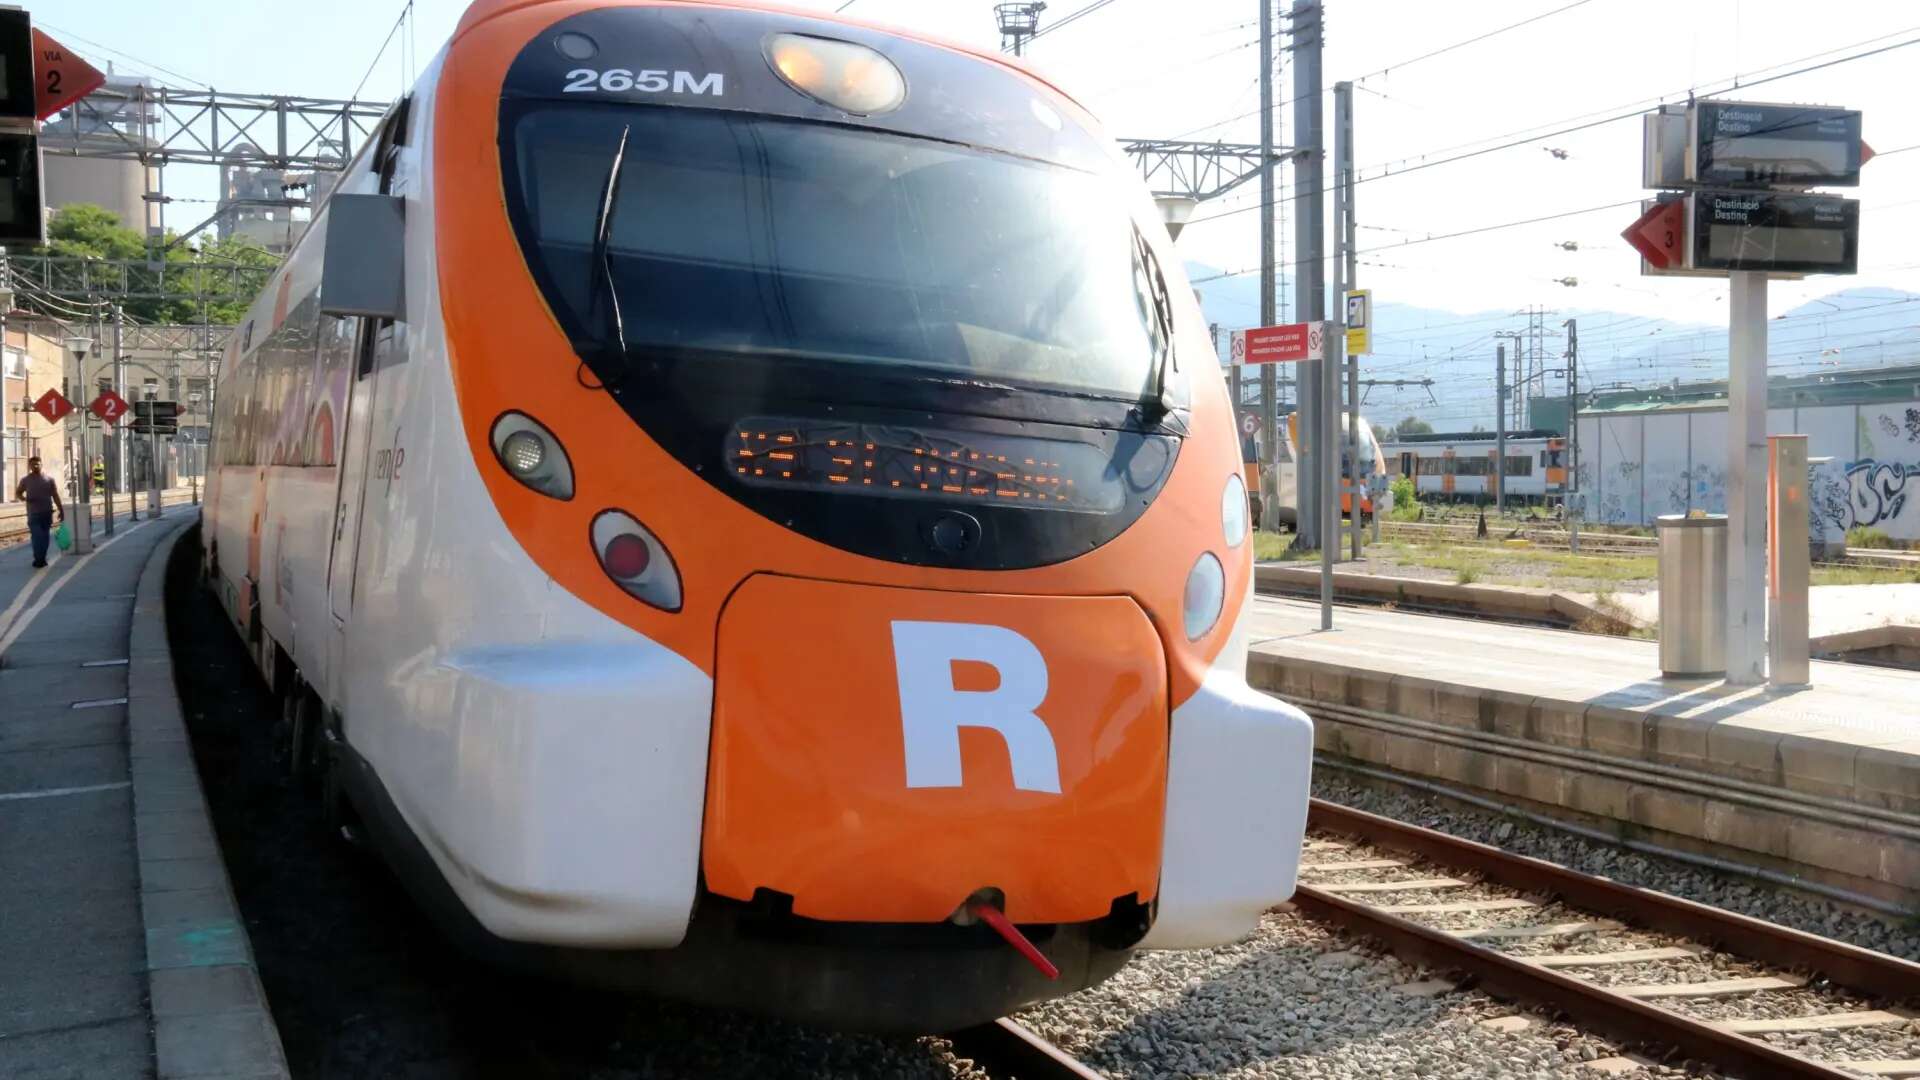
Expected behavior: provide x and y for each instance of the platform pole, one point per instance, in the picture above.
(1789, 561)
(1747, 479)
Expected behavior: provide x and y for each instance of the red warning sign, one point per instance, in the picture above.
(53, 405)
(1659, 235)
(59, 77)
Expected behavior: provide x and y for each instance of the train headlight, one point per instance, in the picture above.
(1233, 510)
(849, 77)
(1206, 592)
(531, 455)
(635, 559)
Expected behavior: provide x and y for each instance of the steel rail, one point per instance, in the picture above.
(1594, 1006)
(1864, 970)
(1008, 1048)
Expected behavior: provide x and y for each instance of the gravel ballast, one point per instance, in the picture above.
(1734, 892)
(1300, 1000)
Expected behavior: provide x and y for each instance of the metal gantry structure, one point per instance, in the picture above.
(163, 125)
(1196, 170)
(119, 280)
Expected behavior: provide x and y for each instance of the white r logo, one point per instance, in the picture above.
(933, 710)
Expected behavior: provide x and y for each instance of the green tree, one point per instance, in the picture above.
(86, 231)
(1412, 425)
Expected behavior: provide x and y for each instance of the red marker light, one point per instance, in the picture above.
(626, 556)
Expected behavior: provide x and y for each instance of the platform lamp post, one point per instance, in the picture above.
(6, 305)
(80, 515)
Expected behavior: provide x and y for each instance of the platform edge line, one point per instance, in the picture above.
(206, 1001)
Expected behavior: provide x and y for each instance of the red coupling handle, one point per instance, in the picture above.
(996, 919)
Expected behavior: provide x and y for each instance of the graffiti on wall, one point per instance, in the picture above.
(1878, 491)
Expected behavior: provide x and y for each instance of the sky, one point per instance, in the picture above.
(1189, 68)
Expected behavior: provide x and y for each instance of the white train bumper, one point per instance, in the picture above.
(568, 808)
(1237, 784)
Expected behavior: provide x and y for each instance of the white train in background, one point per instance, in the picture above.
(1462, 466)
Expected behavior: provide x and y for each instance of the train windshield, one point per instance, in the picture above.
(731, 232)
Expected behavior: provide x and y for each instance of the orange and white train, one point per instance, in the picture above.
(740, 504)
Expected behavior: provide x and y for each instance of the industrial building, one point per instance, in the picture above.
(1640, 453)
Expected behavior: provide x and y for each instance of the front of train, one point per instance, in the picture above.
(882, 403)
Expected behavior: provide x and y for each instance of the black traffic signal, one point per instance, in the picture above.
(22, 215)
(156, 417)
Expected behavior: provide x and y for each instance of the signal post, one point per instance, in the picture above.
(1735, 202)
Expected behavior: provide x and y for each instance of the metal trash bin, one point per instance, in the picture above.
(1693, 595)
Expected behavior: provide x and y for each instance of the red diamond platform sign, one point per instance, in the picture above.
(1660, 235)
(53, 405)
(109, 407)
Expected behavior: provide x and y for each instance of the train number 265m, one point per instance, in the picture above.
(621, 80)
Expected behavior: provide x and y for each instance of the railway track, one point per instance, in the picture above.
(1740, 995)
(13, 518)
(1007, 1048)
(1546, 534)
(1592, 542)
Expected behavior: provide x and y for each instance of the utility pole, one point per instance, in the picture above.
(1269, 391)
(1500, 428)
(122, 446)
(1573, 431)
(1349, 280)
(1309, 276)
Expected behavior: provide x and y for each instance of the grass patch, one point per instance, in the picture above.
(1278, 547)
(1864, 575)
(1866, 536)
(1466, 574)
(1532, 565)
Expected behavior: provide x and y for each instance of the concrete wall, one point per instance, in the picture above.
(44, 357)
(1635, 467)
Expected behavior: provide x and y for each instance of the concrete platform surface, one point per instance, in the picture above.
(1831, 609)
(113, 962)
(1857, 704)
(1820, 782)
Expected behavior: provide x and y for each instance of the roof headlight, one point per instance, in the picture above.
(849, 77)
(531, 455)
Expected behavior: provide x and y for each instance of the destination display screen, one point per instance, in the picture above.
(1738, 144)
(1773, 231)
(922, 463)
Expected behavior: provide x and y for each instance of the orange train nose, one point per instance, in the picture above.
(880, 754)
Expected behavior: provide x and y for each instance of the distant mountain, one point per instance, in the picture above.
(1849, 328)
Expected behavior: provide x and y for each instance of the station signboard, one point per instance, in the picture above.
(1744, 144)
(1771, 231)
(1286, 343)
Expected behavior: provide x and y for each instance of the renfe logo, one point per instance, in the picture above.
(933, 710)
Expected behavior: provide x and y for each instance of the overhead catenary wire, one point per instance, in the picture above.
(406, 10)
(1576, 127)
(145, 63)
(1476, 39)
(1069, 19)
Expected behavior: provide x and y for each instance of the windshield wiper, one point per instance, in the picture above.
(601, 264)
(1157, 404)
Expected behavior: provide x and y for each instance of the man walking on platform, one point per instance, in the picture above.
(42, 497)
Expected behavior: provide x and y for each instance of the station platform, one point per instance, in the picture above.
(1820, 784)
(123, 953)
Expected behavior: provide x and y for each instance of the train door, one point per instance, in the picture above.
(1446, 471)
(1407, 464)
(376, 340)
